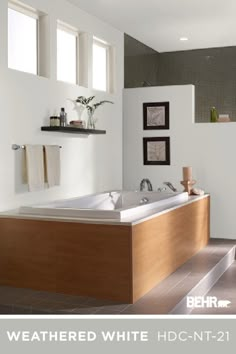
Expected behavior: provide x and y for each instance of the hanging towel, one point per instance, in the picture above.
(34, 167)
(52, 165)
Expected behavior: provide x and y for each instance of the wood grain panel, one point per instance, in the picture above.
(105, 261)
(72, 258)
(162, 244)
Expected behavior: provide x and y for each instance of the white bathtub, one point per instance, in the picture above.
(116, 205)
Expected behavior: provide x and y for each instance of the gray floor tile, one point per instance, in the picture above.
(160, 300)
(16, 310)
(5, 310)
(224, 289)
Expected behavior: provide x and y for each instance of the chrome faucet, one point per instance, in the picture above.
(149, 185)
(170, 185)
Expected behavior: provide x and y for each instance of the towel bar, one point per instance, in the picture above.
(18, 147)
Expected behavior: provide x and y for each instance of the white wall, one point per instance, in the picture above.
(209, 148)
(89, 164)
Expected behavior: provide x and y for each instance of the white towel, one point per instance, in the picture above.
(34, 167)
(52, 165)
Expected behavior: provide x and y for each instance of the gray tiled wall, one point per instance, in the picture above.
(212, 71)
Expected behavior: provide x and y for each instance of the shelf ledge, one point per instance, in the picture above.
(73, 130)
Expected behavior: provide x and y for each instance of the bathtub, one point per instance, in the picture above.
(117, 205)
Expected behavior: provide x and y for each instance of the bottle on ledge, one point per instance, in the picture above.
(63, 117)
(214, 115)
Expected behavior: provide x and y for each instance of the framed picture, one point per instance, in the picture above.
(156, 151)
(156, 115)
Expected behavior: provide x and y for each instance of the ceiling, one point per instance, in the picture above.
(160, 23)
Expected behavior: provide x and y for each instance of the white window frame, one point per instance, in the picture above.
(75, 32)
(30, 12)
(101, 43)
(24, 9)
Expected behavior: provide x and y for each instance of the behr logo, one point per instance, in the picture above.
(208, 302)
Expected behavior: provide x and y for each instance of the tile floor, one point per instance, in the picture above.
(224, 289)
(160, 300)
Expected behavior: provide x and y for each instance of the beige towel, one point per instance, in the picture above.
(52, 165)
(34, 167)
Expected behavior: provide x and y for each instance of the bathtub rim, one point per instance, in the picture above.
(53, 208)
(14, 214)
(105, 192)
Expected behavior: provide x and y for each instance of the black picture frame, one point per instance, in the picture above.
(156, 115)
(156, 151)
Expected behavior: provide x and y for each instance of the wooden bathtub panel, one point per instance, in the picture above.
(112, 262)
(164, 243)
(22, 244)
(73, 258)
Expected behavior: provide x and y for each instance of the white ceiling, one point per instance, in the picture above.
(160, 23)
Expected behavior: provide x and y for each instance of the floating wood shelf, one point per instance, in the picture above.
(73, 130)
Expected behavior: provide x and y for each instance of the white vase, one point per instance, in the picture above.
(79, 110)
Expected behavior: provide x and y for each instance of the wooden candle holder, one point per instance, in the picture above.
(188, 186)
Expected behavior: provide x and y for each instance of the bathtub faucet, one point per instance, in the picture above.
(146, 181)
(111, 194)
(170, 185)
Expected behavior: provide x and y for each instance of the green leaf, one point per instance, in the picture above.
(81, 99)
(89, 99)
(96, 105)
